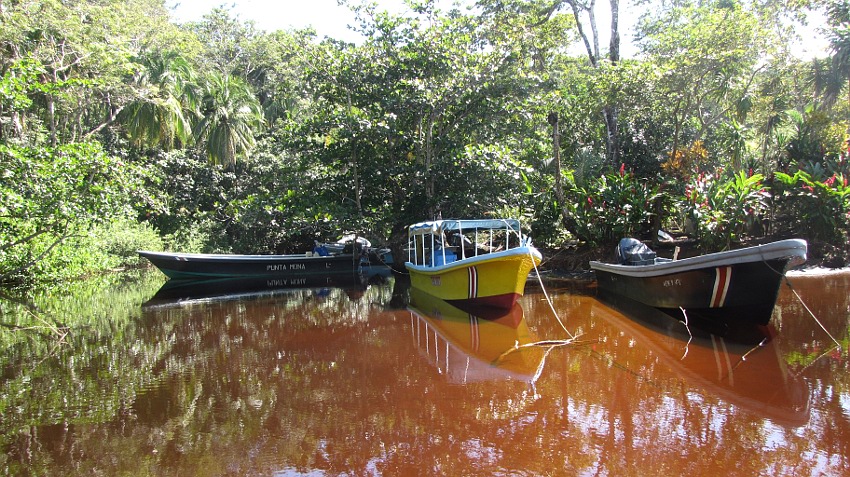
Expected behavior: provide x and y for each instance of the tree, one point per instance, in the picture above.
(162, 113)
(708, 58)
(836, 75)
(48, 195)
(230, 115)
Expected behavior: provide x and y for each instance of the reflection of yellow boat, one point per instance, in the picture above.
(481, 262)
(738, 368)
(473, 347)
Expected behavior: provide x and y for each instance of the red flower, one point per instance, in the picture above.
(622, 169)
(830, 181)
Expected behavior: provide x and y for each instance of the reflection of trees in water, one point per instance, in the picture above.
(305, 382)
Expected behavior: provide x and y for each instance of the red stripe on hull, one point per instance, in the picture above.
(473, 282)
(721, 286)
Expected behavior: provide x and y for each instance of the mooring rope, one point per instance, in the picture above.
(546, 294)
(788, 282)
(800, 299)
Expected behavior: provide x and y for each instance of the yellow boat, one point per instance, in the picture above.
(483, 262)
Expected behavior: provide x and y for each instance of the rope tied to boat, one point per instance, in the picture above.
(805, 306)
(811, 313)
(546, 294)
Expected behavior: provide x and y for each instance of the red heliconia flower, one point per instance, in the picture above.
(622, 169)
(830, 181)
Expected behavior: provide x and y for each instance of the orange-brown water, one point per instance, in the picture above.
(358, 383)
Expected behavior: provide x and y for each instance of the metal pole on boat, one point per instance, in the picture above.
(443, 242)
(432, 248)
(460, 233)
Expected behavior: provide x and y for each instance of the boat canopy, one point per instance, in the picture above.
(437, 226)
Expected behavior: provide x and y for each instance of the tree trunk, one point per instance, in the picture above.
(429, 162)
(569, 222)
(610, 113)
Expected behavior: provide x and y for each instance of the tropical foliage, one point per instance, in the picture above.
(216, 136)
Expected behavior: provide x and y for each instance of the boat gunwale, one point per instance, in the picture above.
(782, 249)
(225, 257)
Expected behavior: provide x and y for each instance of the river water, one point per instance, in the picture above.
(383, 381)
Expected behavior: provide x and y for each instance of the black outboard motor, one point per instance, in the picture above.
(634, 252)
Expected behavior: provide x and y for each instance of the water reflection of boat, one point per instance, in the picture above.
(744, 367)
(176, 291)
(473, 344)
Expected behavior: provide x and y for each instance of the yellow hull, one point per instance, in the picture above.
(495, 279)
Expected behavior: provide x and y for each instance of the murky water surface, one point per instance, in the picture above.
(336, 382)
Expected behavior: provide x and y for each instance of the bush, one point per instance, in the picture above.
(725, 209)
(818, 210)
(614, 206)
(121, 239)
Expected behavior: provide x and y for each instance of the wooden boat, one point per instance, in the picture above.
(288, 267)
(740, 285)
(472, 346)
(478, 262)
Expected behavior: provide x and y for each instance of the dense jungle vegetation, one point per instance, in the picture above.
(121, 130)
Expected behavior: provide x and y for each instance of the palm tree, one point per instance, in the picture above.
(230, 114)
(833, 74)
(161, 114)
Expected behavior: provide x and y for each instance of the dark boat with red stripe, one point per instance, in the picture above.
(736, 285)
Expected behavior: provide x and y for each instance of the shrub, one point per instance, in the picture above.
(819, 210)
(724, 209)
(613, 206)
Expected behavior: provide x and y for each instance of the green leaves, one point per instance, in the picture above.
(819, 209)
(613, 206)
(51, 194)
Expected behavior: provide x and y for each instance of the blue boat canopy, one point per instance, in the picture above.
(470, 225)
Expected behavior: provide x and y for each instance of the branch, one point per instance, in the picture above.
(34, 261)
(105, 123)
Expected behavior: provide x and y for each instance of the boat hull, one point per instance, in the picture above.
(741, 285)
(495, 279)
(288, 267)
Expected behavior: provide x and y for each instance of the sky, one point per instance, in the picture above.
(330, 19)
(326, 16)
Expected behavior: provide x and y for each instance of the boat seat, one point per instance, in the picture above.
(438, 257)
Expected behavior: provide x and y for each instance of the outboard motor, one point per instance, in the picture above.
(634, 252)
